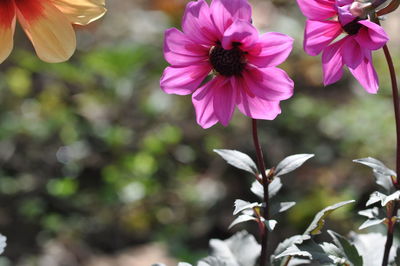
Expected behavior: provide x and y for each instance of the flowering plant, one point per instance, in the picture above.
(220, 39)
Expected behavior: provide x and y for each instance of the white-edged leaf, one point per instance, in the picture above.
(348, 248)
(270, 224)
(319, 219)
(377, 165)
(310, 250)
(273, 188)
(257, 189)
(370, 246)
(385, 181)
(370, 213)
(211, 261)
(3, 243)
(241, 205)
(238, 159)
(240, 249)
(241, 219)
(334, 253)
(284, 245)
(376, 197)
(291, 163)
(371, 222)
(281, 207)
(391, 197)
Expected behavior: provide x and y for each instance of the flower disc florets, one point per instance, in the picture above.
(228, 62)
(353, 27)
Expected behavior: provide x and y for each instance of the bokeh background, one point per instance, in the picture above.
(100, 167)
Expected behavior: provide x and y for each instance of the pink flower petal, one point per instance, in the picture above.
(197, 23)
(372, 36)
(352, 53)
(224, 12)
(183, 80)
(319, 34)
(365, 74)
(203, 103)
(270, 83)
(317, 9)
(179, 50)
(272, 49)
(332, 62)
(239, 32)
(344, 2)
(224, 102)
(258, 108)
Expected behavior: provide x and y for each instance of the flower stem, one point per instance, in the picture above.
(396, 105)
(265, 183)
(393, 211)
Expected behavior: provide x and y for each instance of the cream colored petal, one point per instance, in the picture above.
(7, 28)
(81, 12)
(50, 32)
(7, 41)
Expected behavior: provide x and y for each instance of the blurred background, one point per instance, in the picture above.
(100, 167)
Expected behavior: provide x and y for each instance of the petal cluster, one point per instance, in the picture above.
(219, 40)
(327, 21)
(48, 24)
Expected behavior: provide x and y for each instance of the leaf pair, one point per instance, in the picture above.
(244, 162)
(304, 246)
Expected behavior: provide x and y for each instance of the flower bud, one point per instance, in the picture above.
(360, 9)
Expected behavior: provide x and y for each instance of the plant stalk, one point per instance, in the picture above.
(265, 183)
(396, 183)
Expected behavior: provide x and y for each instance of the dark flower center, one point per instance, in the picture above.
(227, 62)
(353, 27)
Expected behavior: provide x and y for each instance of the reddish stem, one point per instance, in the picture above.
(265, 183)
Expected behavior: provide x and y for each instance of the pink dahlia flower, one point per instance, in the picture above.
(327, 19)
(220, 40)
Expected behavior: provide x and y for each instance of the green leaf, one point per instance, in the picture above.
(319, 219)
(281, 207)
(347, 248)
(291, 163)
(238, 159)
